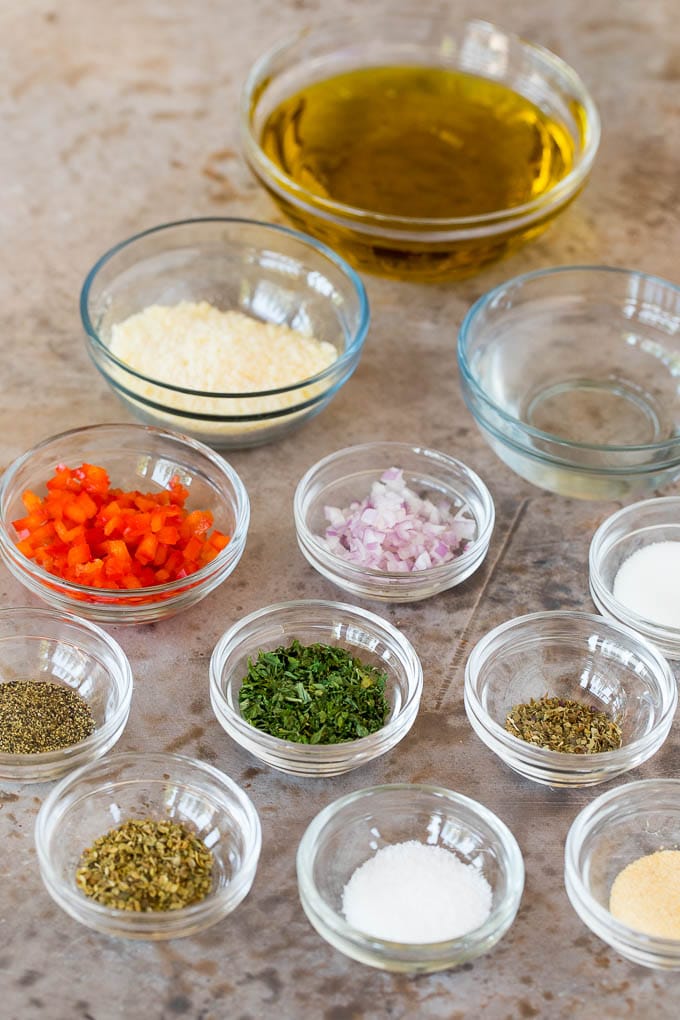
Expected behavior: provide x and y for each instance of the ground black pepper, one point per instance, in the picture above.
(41, 715)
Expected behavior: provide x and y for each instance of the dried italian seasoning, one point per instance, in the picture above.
(41, 715)
(146, 865)
(560, 724)
(313, 694)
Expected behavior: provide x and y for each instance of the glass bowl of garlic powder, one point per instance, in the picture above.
(228, 330)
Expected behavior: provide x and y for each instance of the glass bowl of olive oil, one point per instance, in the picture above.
(417, 146)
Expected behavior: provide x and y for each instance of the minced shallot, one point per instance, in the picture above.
(396, 530)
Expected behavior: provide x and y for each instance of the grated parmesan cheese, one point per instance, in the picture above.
(200, 347)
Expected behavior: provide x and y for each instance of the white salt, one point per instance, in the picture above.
(416, 892)
(648, 583)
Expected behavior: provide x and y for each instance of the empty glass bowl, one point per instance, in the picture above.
(136, 457)
(348, 832)
(427, 243)
(575, 656)
(347, 476)
(365, 636)
(267, 272)
(42, 645)
(610, 833)
(101, 797)
(617, 538)
(571, 377)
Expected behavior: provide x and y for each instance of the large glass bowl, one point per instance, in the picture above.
(135, 457)
(46, 646)
(575, 656)
(364, 635)
(430, 248)
(610, 833)
(270, 273)
(100, 797)
(571, 376)
(347, 475)
(348, 832)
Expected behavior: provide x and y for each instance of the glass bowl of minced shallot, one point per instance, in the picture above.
(567, 698)
(65, 693)
(393, 521)
(146, 845)
(635, 570)
(409, 878)
(622, 870)
(229, 330)
(122, 524)
(315, 688)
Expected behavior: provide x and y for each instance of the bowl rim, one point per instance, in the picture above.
(469, 380)
(120, 596)
(566, 761)
(150, 919)
(600, 545)
(404, 226)
(440, 572)
(318, 753)
(499, 917)
(599, 807)
(343, 360)
(124, 683)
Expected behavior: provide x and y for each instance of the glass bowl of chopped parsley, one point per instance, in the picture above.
(148, 845)
(229, 330)
(314, 687)
(65, 693)
(392, 521)
(569, 698)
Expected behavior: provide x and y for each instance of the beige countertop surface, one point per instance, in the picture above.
(119, 116)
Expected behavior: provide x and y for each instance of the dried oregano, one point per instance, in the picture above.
(146, 865)
(41, 715)
(560, 724)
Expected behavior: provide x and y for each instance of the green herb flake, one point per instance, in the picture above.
(559, 724)
(145, 865)
(313, 694)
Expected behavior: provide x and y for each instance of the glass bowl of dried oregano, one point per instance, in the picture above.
(569, 698)
(315, 687)
(148, 845)
(65, 692)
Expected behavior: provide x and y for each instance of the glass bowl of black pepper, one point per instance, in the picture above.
(148, 845)
(409, 878)
(65, 693)
(569, 698)
(313, 687)
(622, 870)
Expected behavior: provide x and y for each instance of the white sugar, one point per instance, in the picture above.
(416, 892)
(648, 583)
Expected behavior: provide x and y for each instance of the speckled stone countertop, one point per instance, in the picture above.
(116, 117)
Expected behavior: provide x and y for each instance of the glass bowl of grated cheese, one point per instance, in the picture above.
(229, 330)
(409, 878)
(393, 522)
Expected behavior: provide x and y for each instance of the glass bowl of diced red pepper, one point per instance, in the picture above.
(122, 523)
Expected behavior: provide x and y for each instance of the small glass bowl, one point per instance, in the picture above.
(418, 248)
(47, 646)
(136, 457)
(120, 787)
(268, 272)
(592, 420)
(368, 637)
(617, 538)
(347, 475)
(576, 656)
(349, 831)
(610, 833)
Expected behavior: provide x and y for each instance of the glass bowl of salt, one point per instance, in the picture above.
(635, 570)
(409, 878)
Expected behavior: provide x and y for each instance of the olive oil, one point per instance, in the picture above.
(418, 142)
